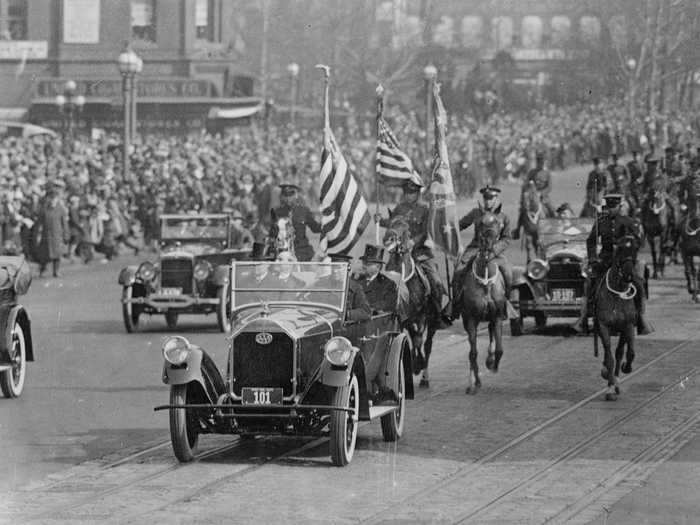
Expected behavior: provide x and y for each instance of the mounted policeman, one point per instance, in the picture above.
(542, 180)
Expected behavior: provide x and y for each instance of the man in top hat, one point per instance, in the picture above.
(381, 292)
(357, 307)
(491, 205)
(301, 217)
(416, 214)
(610, 227)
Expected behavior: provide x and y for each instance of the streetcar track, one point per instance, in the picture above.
(575, 449)
(478, 463)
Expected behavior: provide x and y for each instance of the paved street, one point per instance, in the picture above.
(537, 443)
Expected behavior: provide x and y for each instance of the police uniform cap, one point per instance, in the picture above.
(289, 188)
(612, 199)
(489, 192)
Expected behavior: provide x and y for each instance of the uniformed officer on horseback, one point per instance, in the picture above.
(610, 226)
(491, 204)
(416, 214)
(301, 218)
(542, 178)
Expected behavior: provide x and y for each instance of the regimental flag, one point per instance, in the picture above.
(393, 166)
(344, 211)
(443, 225)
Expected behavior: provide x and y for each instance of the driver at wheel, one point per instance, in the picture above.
(610, 227)
(491, 204)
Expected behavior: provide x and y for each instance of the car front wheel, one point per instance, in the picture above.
(343, 426)
(184, 434)
(12, 379)
(130, 314)
(393, 423)
(222, 310)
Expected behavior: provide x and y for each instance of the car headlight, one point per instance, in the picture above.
(146, 272)
(202, 270)
(176, 349)
(537, 269)
(338, 351)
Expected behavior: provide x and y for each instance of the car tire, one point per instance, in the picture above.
(184, 434)
(171, 320)
(540, 319)
(129, 313)
(223, 309)
(343, 425)
(12, 380)
(393, 424)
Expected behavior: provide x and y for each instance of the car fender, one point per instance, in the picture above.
(127, 276)
(336, 376)
(221, 275)
(519, 276)
(399, 354)
(198, 367)
(9, 314)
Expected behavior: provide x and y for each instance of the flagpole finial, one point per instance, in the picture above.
(436, 88)
(326, 69)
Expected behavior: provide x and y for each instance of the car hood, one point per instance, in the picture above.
(575, 250)
(189, 250)
(298, 321)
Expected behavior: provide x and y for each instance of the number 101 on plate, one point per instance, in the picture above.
(261, 396)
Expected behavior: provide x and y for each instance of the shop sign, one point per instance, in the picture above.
(111, 88)
(24, 49)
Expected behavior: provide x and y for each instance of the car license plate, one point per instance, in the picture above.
(171, 291)
(564, 295)
(261, 396)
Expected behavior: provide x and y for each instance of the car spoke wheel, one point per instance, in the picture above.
(129, 311)
(171, 320)
(184, 433)
(12, 380)
(392, 424)
(223, 309)
(343, 426)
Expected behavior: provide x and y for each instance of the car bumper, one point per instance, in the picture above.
(549, 308)
(167, 302)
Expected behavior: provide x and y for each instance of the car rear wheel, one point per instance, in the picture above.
(12, 379)
(184, 433)
(392, 424)
(171, 320)
(223, 309)
(343, 426)
(130, 314)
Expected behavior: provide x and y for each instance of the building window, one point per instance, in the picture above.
(443, 34)
(502, 32)
(13, 19)
(204, 20)
(472, 31)
(143, 20)
(532, 32)
(590, 28)
(561, 30)
(618, 31)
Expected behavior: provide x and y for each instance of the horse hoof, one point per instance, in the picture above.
(471, 390)
(604, 373)
(491, 363)
(610, 396)
(626, 368)
(424, 383)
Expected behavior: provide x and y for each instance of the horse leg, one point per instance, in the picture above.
(490, 357)
(474, 382)
(427, 350)
(619, 354)
(662, 257)
(629, 338)
(652, 246)
(608, 370)
(498, 333)
(689, 268)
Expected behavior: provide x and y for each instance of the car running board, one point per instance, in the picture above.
(379, 411)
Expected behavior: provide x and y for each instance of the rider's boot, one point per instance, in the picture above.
(643, 326)
(581, 324)
(456, 293)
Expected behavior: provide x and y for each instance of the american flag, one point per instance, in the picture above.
(442, 224)
(393, 166)
(344, 211)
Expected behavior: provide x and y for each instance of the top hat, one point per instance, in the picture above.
(373, 254)
(489, 192)
(652, 161)
(612, 200)
(289, 188)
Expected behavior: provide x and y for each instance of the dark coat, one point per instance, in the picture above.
(381, 292)
(52, 232)
(357, 307)
(474, 217)
(609, 229)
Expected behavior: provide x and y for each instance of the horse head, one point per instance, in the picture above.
(397, 237)
(489, 231)
(532, 202)
(657, 200)
(625, 256)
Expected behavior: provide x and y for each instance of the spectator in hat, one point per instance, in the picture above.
(301, 218)
(381, 292)
(52, 231)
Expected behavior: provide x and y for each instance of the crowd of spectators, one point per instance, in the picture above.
(81, 184)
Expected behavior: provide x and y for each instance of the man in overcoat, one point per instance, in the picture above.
(53, 230)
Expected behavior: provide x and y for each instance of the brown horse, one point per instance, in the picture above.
(656, 223)
(420, 317)
(483, 300)
(689, 246)
(615, 312)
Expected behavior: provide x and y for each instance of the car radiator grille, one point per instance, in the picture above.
(176, 273)
(256, 365)
(565, 275)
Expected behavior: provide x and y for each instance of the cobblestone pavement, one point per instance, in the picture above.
(537, 444)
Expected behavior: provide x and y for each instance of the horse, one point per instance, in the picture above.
(421, 318)
(533, 211)
(483, 299)
(616, 312)
(689, 245)
(656, 223)
(280, 237)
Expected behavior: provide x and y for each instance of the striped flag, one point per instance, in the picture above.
(393, 166)
(344, 211)
(443, 225)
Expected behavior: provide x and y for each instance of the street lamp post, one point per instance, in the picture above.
(429, 73)
(631, 67)
(130, 65)
(69, 103)
(293, 70)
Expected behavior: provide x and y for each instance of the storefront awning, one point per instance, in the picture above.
(13, 114)
(234, 113)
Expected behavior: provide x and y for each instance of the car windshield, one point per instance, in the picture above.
(259, 282)
(194, 227)
(569, 234)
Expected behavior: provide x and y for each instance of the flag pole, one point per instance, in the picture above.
(326, 138)
(380, 111)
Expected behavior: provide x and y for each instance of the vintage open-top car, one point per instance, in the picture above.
(15, 327)
(294, 367)
(191, 275)
(551, 285)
